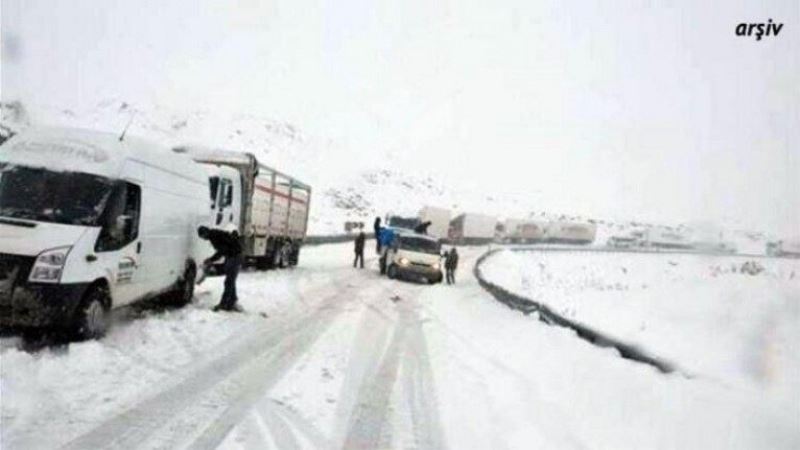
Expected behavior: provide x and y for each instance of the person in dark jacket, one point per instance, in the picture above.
(450, 265)
(226, 245)
(359, 248)
(422, 228)
(377, 228)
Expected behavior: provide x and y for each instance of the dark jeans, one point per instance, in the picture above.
(231, 267)
(451, 276)
(359, 258)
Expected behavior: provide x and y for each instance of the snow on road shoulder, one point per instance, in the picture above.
(56, 394)
(702, 312)
(505, 380)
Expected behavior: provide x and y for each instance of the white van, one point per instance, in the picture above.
(413, 255)
(89, 222)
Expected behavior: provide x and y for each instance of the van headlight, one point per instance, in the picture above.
(404, 261)
(49, 265)
(436, 266)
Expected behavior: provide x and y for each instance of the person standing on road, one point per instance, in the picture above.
(226, 245)
(377, 228)
(359, 247)
(450, 265)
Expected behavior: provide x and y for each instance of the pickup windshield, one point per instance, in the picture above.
(418, 244)
(72, 198)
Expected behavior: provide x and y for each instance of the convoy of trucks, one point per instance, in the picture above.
(90, 221)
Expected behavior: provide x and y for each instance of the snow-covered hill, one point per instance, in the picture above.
(364, 184)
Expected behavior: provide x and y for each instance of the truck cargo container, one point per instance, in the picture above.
(439, 219)
(267, 207)
(658, 237)
(570, 232)
(789, 247)
(472, 228)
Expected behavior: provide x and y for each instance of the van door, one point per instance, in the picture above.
(118, 247)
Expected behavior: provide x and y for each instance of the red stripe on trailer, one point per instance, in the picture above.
(279, 194)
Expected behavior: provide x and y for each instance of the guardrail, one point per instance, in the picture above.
(659, 251)
(550, 317)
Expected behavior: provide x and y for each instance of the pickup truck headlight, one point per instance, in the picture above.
(404, 261)
(436, 266)
(49, 265)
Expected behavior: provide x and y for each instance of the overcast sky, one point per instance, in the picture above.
(656, 107)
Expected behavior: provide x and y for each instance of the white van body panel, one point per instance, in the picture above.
(173, 201)
(42, 236)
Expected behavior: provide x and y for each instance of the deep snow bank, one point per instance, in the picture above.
(702, 312)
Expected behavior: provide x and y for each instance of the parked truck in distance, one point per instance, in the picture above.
(570, 232)
(529, 232)
(471, 228)
(789, 247)
(268, 208)
(439, 219)
(666, 238)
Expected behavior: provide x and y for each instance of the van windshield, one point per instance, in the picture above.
(418, 244)
(71, 198)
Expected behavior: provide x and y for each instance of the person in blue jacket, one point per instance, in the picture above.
(386, 237)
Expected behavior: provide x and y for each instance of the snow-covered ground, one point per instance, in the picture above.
(706, 315)
(346, 359)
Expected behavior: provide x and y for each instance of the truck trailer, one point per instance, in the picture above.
(268, 208)
(789, 248)
(439, 219)
(470, 228)
(570, 232)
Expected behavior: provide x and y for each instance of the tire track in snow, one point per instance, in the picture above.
(406, 348)
(419, 387)
(192, 407)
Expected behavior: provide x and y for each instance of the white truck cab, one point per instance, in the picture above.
(89, 222)
(413, 255)
(225, 195)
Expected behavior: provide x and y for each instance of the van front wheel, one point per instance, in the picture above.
(92, 319)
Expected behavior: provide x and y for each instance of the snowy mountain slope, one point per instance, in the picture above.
(365, 184)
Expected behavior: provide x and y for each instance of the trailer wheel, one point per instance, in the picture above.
(294, 255)
(92, 320)
(283, 256)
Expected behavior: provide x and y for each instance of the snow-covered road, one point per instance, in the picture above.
(347, 359)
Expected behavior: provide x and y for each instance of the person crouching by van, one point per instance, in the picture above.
(450, 266)
(359, 247)
(225, 245)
